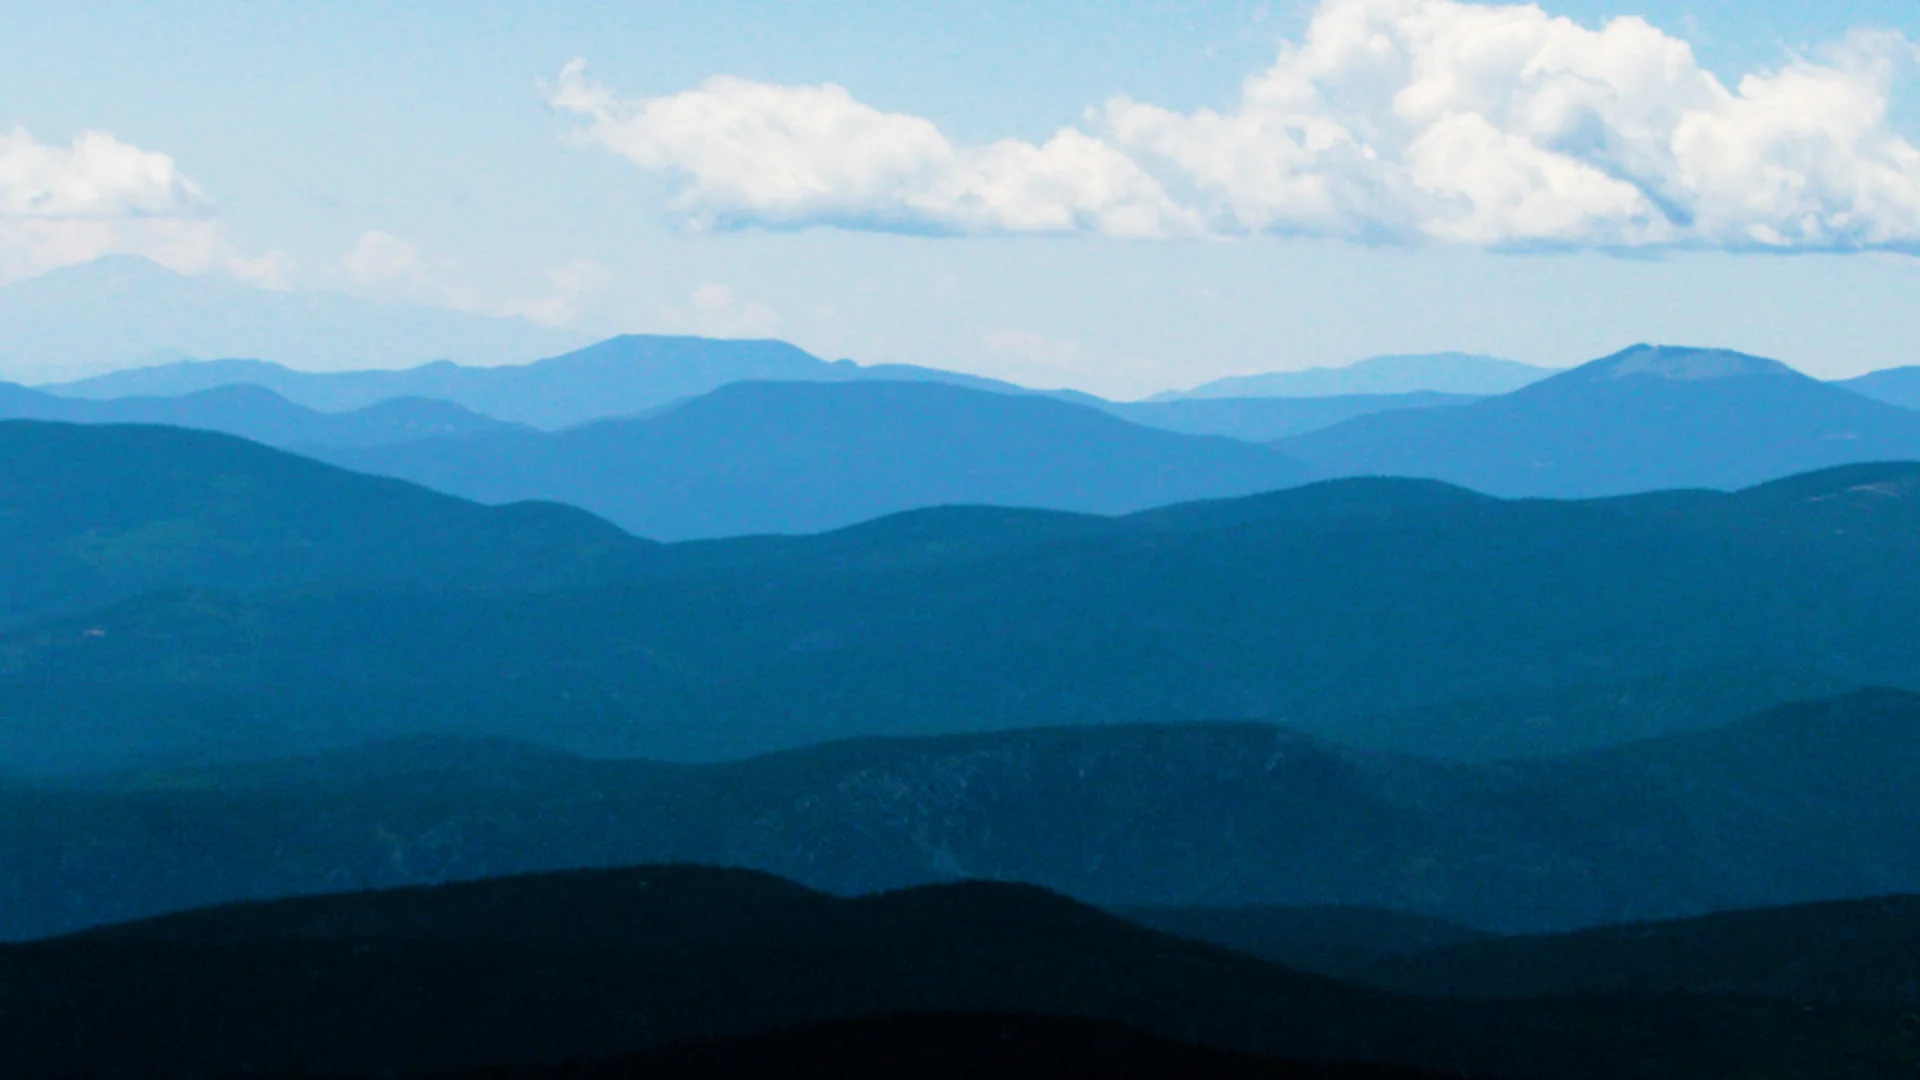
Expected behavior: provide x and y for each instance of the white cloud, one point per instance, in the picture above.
(1402, 120)
(61, 205)
(387, 266)
(753, 153)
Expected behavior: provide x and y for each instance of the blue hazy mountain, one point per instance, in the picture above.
(94, 514)
(123, 310)
(1321, 605)
(791, 457)
(257, 413)
(1647, 418)
(1264, 419)
(619, 377)
(1895, 386)
(1447, 372)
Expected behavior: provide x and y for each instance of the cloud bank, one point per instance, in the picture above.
(1404, 121)
(98, 195)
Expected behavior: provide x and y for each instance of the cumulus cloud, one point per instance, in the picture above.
(1388, 120)
(753, 153)
(98, 195)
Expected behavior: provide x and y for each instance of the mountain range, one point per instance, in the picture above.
(1646, 418)
(1806, 802)
(756, 457)
(828, 444)
(620, 377)
(302, 605)
(256, 413)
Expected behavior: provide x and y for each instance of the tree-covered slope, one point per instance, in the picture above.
(1809, 802)
(95, 514)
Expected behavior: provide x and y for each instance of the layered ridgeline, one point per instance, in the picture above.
(537, 971)
(1807, 802)
(622, 376)
(1647, 418)
(311, 607)
(787, 457)
(256, 413)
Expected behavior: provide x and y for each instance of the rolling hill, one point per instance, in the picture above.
(538, 971)
(1647, 418)
(759, 457)
(90, 515)
(1809, 802)
(1315, 606)
(1845, 951)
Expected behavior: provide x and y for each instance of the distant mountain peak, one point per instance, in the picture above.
(1684, 364)
(1445, 372)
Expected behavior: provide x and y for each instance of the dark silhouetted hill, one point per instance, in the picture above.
(962, 1046)
(1806, 803)
(537, 971)
(1644, 419)
(761, 457)
(1446, 373)
(1846, 951)
(1332, 940)
(95, 514)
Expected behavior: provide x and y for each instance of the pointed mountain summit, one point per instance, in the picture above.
(1646, 418)
(1676, 364)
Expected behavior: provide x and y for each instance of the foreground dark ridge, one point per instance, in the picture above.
(1809, 802)
(534, 970)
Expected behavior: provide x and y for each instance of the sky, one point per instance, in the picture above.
(1119, 197)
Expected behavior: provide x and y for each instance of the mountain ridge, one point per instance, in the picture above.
(1623, 424)
(1444, 372)
(794, 457)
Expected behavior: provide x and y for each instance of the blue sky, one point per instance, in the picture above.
(431, 153)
